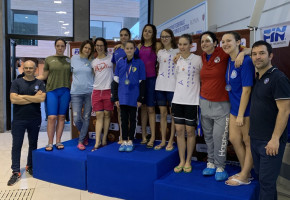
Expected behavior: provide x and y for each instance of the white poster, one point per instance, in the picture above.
(192, 21)
(277, 35)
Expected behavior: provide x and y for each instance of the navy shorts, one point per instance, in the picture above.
(164, 97)
(150, 92)
(185, 114)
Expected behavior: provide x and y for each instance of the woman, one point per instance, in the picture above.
(128, 91)
(185, 101)
(148, 54)
(239, 82)
(57, 71)
(165, 84)
(101, 97)
(81, 89)
(119, 53)
(214, 104)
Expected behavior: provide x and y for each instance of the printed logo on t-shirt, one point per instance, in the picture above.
(266, 80)
(100, 67)
(234, 74)
(36, 88)
(217, 59)
(134, 69)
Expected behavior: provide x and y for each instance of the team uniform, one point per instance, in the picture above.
(25, 117)
(128, 75)
(58, 84)
(165, 82)
(271, 87)
(236, 79)
(119, 54)
(101, 97)
(81, 91)
(214, 105)
(186, 99)
(149, 57)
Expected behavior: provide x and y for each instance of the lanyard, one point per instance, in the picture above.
(229, 72)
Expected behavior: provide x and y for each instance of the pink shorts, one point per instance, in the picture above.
(101, 100)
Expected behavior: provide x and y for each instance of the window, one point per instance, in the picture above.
(110, 16)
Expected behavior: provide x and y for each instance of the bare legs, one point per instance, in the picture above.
(239, 137)
(145, 112)
(102, 121)
(55, 123)
(183, 145)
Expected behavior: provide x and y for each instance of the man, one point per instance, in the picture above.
(26, 93)
(270, 108)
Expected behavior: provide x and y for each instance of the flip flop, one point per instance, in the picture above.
(59, 146)
(178, 169)
(144, 141)
(49, 147)
(150, 145)
(237, 175)
(158, 147)
(187, 169)
(81, 147)
(239, 183)
(169, 148)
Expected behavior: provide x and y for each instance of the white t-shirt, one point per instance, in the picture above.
(103, 69)
(166, 75)
(187, 85)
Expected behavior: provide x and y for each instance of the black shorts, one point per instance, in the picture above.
(185, 114)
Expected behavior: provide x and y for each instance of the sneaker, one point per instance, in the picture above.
(123, 146)
(221, 174)
(209, 170)
(129, 147)
(14, 178)
(28, 169)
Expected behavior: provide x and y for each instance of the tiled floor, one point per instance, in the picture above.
(43, 190)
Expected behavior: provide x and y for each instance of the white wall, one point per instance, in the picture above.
(225, 14)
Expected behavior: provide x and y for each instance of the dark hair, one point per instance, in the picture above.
(131, 42)
(263, 43)
(84, 44)
(211, 34)
(127, 30)
(153, 36)
(187, 36)
(173, 41)
(104, 41)
(60, 39)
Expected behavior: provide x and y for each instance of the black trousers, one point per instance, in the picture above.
(128, 113)
(18, 130)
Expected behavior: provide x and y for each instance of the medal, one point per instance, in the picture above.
(127, 81)
(228, 87)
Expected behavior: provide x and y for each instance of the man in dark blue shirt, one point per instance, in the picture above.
(270, 109)
(26, 93)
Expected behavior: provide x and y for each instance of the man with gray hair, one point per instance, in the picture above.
(26, 93)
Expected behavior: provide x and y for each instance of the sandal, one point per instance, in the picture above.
(150, 145)
(178, 169)
(158, 147)
(95, 148)
(187, 169)
(81, 147)
(169, 148)
(59, 146)
(49, 147)
(144, 141)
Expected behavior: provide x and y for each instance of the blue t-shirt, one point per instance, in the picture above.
(82, 75)
(134, 71)
(120, 54)
(239, 78)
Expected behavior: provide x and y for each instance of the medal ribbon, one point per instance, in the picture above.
(128, 73)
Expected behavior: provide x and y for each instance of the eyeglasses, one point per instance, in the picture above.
(165, 37)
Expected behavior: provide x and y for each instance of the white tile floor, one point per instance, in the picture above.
(43, 190)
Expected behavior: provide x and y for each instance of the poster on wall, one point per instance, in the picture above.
(277, 35)
(192, 21)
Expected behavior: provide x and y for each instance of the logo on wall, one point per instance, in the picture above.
(277, 35)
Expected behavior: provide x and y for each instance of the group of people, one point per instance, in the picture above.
(221, 82)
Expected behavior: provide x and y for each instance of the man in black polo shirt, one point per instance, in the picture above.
(26, 93)
(270, 109)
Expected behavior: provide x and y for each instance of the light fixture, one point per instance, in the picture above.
(65, 24)
(67, 32)
(60, 12)
(57, 2)
(63, 27)
(61, 22)
(26, 17)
